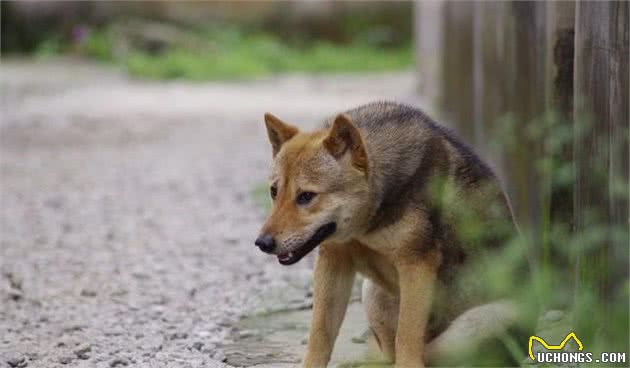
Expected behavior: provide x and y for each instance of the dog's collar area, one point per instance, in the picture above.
(320, 235)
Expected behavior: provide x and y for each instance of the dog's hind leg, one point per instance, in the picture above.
(475, 333)
(382, 308)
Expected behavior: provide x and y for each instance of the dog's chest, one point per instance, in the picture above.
(376, 267)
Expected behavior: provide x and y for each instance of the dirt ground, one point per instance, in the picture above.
(127, 216)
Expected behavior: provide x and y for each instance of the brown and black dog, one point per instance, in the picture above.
(388, 193)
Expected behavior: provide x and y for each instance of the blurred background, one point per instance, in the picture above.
(133, 162)
(217, 40)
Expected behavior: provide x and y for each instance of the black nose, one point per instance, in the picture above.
(266, 243)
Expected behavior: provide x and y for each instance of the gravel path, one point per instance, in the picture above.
(127, 217)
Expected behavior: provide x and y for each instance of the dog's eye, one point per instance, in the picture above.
(305, 197)
(273, 191)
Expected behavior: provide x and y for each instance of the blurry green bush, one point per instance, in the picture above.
(568, 262)
(164, 51)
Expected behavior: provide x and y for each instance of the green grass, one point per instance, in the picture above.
(258, 57)
(231, 54)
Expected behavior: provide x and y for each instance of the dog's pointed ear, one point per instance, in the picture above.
(279, 132)
(345, 138)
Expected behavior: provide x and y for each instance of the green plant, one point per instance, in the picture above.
(231, 53)
(51, 46)
(99, 45)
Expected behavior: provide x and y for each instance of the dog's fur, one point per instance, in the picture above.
(400, 200)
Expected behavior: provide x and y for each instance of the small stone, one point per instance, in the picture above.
(196, 363)
(115, 331)
(246, 333)
(178, 336)
(203, 333)
(197, 345)
(220, 356)
(17, 361)
(209, 348)
(65, 359)
(118, 362)
(158, 309)
(73, 328)
(82, 351)
(158, 347)
(15, 280)
(88, 293)
(15, 294)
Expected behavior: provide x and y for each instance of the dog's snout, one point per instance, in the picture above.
(266, 243)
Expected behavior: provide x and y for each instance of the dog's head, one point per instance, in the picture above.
(318, 186)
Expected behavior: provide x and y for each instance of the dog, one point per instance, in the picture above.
(386, 192)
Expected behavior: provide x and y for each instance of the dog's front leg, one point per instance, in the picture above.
(334, 276)
(417, 281)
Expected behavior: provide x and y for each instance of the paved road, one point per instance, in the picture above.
(127, 217)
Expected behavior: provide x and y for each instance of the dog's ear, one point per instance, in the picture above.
(344, 137)
(278, 131)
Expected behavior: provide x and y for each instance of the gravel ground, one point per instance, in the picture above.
(127, 217)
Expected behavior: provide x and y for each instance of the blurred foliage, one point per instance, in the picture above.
(582, 270)
(161, 51)
(48, 47)
(99, 46)
(260, 56)
(378, 23)
(388, 25)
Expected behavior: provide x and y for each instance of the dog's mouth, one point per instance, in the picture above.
(297, 254)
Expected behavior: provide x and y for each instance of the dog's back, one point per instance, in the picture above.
(407, 151)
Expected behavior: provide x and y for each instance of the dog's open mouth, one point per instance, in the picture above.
(296, 255)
